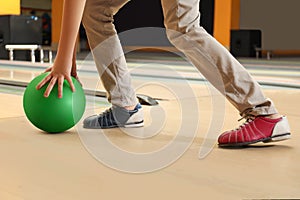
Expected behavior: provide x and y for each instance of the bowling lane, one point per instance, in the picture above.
(36, 165)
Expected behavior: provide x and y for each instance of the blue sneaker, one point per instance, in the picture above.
(116, 117)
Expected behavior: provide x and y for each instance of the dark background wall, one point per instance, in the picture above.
(148, 13)
(277, 19)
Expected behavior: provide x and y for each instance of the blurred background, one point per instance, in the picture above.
(246, 28)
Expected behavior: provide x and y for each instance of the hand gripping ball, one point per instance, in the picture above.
(53, 114)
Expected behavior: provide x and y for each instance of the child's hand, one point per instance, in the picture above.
(56, 76)
(61, 70)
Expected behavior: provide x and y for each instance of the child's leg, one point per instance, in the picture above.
(182, 19)
(226, 74)
(112, 67)
(107, 50)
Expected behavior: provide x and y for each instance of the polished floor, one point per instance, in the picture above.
(175, 156)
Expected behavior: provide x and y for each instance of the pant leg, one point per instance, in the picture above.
(221, 69)
(107, 50)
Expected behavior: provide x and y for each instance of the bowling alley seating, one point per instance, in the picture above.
(31, 47)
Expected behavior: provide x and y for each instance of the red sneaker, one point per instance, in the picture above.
(261, 129)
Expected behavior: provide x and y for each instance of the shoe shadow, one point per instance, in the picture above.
(257, 146)
(249, 146)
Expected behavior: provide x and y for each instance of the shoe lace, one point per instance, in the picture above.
(248, 118)
(106, 118)
(106, 112)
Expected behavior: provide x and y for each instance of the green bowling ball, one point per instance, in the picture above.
(53, 114)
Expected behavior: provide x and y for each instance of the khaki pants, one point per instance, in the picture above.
(182, 19)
